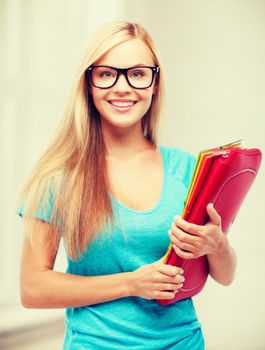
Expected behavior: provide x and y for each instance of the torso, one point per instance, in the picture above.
(137, 181)
(135, 239)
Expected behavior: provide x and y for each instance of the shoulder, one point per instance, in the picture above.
(41, 206)
(179, 162)
(177, 154)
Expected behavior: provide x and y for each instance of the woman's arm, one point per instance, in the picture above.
(192, 241)
(42, 287)
(222, 264)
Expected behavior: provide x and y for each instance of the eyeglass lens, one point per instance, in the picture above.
(139, 77)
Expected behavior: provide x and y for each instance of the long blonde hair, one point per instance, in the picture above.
(73, 169)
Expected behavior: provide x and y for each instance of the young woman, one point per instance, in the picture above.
(110, 191)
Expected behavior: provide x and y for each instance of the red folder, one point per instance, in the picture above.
(222, 176)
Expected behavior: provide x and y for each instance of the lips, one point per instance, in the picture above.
(123, 104)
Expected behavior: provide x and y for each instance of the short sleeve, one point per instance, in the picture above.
(44, 211)
(181, 164)
(190, 167)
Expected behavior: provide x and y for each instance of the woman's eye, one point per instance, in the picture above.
(137, 74)
(105, 74)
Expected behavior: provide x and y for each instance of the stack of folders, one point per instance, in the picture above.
(222, 176)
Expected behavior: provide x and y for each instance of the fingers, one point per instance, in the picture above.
(187, 227)
(188, 234)
(194, 229)
(164, 273)
(169, 286)
(157, 281)
(184, 254)
(190, 240)
(184, 240)
(168, 290)
(215, 218)
(181, 240)
(178, 279)
(168, 270)
(187, 238)
(165, 295)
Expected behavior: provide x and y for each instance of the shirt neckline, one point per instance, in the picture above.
(158, 203)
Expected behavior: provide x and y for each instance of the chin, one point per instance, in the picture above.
(121, 121)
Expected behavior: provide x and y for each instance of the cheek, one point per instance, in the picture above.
(97, 99)
(144, 94)
(148, 99)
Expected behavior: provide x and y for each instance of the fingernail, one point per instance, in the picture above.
(181, 271)
(176, 217)
(181, 285)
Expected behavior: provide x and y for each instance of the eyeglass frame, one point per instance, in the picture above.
(122, 71)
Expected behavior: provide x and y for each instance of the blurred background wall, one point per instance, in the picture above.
(213, 52)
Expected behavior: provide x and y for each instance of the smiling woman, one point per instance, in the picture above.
(128, 89)
(110, 191)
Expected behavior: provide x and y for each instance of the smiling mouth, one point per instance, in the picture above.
(122, 104)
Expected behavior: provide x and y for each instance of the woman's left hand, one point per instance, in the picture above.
(192, 241)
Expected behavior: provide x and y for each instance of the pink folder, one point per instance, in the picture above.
(222, 176)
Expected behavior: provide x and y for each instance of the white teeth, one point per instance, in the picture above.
(122, 104)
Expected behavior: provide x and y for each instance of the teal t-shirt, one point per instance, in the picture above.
(137, 238)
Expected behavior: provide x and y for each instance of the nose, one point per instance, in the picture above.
(122, 84)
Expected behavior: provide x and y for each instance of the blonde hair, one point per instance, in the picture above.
(73, 169)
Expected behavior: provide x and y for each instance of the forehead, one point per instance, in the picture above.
(127, 54)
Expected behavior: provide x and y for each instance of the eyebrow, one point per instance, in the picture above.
(135, 65)
(140, 64)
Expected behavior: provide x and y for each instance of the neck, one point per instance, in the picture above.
(124, 142)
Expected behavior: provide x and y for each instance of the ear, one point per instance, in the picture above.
(88, 84)
(89, 89)
(155, 88)
(156, 85)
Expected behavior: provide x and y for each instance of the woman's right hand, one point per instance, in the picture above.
(157, 281)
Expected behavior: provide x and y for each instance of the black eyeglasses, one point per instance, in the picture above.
(138, 77)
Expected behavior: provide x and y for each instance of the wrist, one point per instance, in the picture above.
(130, 284)
(222, 251)
(224, 246)
(221, 247)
